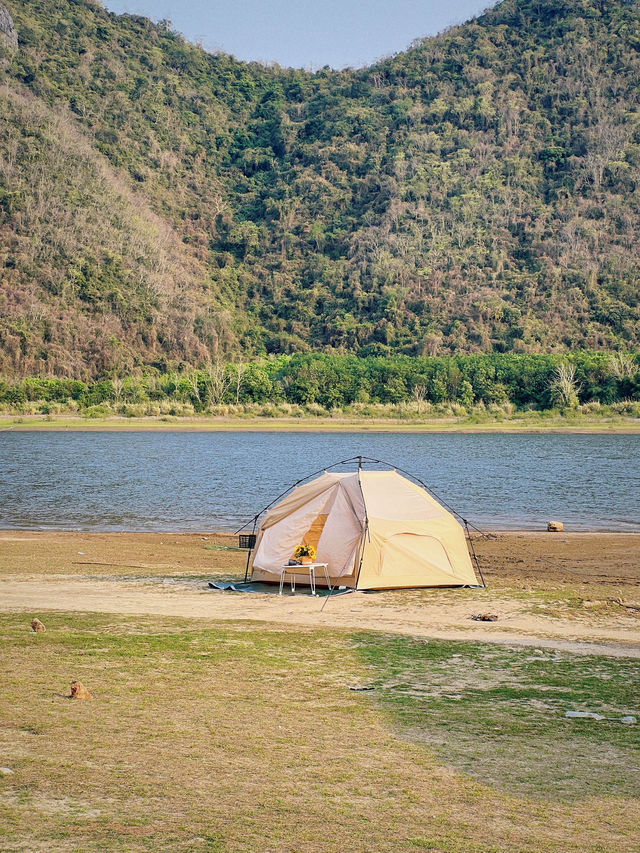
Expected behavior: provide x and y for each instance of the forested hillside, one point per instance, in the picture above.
(160, 206)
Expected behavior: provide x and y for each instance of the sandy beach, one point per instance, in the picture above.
(528, 424)
(577, 592)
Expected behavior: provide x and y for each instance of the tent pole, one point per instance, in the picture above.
(246, 570)
(473, 551)
(428, 489)
(360, 460)
(364, 532)
(297, 483)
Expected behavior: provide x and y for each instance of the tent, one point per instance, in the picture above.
(374, 529)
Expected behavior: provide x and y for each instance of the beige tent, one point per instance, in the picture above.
(374, 529)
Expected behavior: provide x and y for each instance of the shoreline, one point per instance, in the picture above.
(479, 533)
(524, 426)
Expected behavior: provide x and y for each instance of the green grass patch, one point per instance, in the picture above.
(222, 548)
(499, 713)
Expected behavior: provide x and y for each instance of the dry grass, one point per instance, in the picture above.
(248, 739)
(341, 423)
(243, 736)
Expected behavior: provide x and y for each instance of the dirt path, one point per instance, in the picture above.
(575, 592)
(356, 610)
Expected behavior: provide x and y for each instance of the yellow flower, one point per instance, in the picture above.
(305, 551)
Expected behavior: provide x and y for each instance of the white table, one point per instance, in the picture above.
(304, 567)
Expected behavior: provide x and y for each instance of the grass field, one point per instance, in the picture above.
(248, 738)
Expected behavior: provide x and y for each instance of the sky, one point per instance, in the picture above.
(305, 33)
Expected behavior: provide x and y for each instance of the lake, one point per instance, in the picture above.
(105, 481)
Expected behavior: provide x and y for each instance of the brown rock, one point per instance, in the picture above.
(79, 691)
(555, 526)
(37, 626)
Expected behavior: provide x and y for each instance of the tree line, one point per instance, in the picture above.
(540, 382)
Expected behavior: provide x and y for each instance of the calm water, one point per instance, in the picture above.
(216, 481)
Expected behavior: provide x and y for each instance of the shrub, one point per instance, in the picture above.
(97, 411)
(315, 410)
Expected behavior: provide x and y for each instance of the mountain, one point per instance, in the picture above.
(160, 205)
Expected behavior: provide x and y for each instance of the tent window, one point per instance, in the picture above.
(313, 534)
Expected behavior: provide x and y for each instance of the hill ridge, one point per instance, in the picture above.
(474, 193)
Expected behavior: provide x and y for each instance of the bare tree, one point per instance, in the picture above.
(217, 380)
(623, 365)
(419, 395)
(432, 342)
(605, 143)
(193, 378)
(116, 382)
(565, 388)
(239, 370)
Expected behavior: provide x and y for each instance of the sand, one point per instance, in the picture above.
(525, 423)
(576, 592)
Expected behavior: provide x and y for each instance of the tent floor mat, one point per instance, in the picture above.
(273, 589)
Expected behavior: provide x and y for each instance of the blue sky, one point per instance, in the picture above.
(305, 33)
